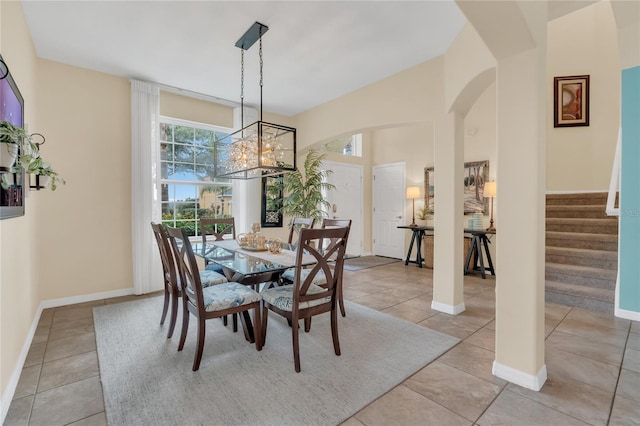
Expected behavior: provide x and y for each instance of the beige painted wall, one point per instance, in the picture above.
(86, 117)
(186, 108)
(409, 97)
(580, 158)
(19, 293)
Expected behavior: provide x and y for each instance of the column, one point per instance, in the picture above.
(520, 240)
(448, 294)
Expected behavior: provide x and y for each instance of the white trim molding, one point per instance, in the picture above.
(53, 303)
(630, 315)
(520, 378)
(447, 309)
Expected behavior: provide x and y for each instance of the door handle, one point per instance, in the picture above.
(398, 217)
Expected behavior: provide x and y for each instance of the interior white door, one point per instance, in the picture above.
(388, 210)
(347, 199)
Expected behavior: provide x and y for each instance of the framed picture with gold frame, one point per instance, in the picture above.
(571, 101)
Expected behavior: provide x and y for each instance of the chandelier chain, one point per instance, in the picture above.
(241, 74)
(260, 61)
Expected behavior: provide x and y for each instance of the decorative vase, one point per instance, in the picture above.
(8, 159)
(478, 220)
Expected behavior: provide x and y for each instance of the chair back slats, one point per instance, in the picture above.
(187, 266)
(298, 223)
(329, 261)
(333, 223)
(217, 227)
(166, 256)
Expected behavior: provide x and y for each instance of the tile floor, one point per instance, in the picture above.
(593, 364)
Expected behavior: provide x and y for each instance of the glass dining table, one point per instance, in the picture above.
(250, 267)
(247, 265)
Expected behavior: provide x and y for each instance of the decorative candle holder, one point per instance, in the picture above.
(274, 245)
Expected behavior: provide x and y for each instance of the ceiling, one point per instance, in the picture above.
(314, 51)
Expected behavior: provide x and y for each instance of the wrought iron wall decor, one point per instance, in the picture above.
(272, 199)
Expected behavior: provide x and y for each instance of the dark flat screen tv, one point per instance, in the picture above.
(12, 110)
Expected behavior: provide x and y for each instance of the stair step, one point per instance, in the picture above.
(582, 257)
(577, 211)
(592, 226)
(595, 299)
(579, 198)
(607, 242)
(581, 275)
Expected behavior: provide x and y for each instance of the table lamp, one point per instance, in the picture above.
(490, 192)
(413, 192)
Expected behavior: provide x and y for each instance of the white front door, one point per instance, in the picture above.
(346, 200)
(388, 210)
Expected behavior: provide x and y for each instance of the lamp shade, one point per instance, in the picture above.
(413, 192)
(490, 189)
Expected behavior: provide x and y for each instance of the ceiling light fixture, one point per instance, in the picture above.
(259, 149)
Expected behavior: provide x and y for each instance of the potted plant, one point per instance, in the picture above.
(48, 177)
(305, 192)
(23, 152)
(14, 139)
(424, 213)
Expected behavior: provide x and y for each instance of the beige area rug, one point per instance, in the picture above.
(365, 262)
(146, 381)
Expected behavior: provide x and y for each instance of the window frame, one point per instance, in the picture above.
(173, 121)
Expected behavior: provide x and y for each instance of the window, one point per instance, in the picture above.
(347, 146)
(189, 189)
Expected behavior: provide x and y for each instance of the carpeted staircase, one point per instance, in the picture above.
(581, 252)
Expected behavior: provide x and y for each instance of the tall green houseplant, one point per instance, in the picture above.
(305, 192)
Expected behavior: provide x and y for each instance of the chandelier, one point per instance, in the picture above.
(259, 149)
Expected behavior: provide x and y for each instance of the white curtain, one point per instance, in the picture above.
(145, 185)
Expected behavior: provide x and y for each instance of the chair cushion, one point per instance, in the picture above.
(282, 297)
(290, 275)
(209, 278)
(228, 295)
(214, 267)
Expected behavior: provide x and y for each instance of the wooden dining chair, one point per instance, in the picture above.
(171, 279)
(298, 223)
(303, 299)
(214, 229)
(209, 302)
(289, 274)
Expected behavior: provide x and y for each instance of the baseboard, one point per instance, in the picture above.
(630, 315)
(10, 389)
(53, 303)
(447, 309)
(519, 378)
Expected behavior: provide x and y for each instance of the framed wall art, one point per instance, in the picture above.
(476, 173)
(571, 101)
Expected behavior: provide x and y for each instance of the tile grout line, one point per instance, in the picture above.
(615, 391)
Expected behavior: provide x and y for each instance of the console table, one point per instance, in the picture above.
(417, 234)
(479, 241)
